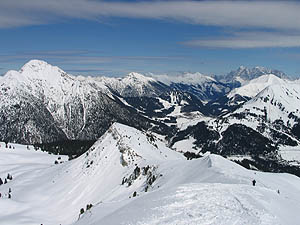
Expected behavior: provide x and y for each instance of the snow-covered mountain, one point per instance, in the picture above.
(273, 101)
(194, 112)
(204, 87)
(243, 74)
(123, 161)
(184, 78)
(139, 176)
(256, 85)
(42, 103)
(264, 127)
(131, 177)
(238, 96)
(273, 112)
(134, 85)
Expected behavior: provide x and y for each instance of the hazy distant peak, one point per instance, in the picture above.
(137, 77)
(248, 74)
(184, 78)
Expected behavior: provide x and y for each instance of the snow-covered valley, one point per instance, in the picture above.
(131, 177)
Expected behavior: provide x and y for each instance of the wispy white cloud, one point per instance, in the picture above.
(266, 14)
(81, 57)
(249, 40)
(85, 61)
(280, 16)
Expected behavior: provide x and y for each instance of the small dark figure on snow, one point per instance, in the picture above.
(9, 195)
(9, 190)
(254, 182)
(5, 181)
(0, 195)
(1, 182)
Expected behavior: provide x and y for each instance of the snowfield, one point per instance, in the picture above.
(131, 177)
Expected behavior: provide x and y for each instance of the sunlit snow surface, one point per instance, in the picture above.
(257, 85)
(209, 190)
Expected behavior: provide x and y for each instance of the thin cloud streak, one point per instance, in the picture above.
(263, 14)
(81, 57)
(89, 61)
(249, 40)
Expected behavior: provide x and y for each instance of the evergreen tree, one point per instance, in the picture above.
(89, 206)
(81, 211)
(1, 182)
(9, 177)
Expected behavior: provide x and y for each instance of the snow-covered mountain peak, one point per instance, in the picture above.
(284, 93)
(35, 64)
(244, 74)
(196, 78)
(38, 69)
(241, 68)
(274, 102)
(133, 85)
(270, 78)
(257, 85)
(132, 145)
(134, 77)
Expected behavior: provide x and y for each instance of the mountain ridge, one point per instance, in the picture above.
(36, 108)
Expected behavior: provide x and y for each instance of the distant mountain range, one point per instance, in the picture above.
(248, 112)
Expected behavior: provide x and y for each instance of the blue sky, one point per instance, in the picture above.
(116, 37)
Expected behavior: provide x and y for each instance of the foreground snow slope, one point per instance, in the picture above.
(211, 190)
(169, 189)
(28, 190)
(40, 189)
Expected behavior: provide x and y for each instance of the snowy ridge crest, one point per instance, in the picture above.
(185, 78)
(131, 145)
(255, 86)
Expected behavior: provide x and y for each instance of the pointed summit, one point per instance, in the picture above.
(241, 68)
(35, 63)
(37, 66)
(244, 74)
(257, 85)
(38, 69)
